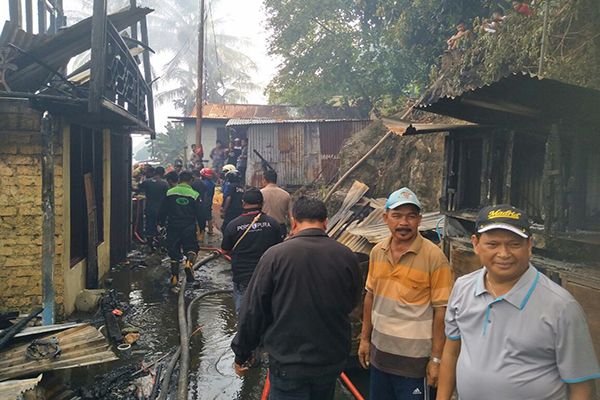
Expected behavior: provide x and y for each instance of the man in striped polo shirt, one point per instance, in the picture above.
(408, 286)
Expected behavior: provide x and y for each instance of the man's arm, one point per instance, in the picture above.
(365, 333)
(581, 390)
(447, 378)
(437, 346)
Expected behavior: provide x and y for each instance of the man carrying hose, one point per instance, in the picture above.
(181, 210)
(297, 305)
(246, 238)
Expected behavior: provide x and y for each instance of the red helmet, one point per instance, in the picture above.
(207, 173)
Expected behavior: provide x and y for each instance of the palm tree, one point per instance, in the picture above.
(168, 146)
(174, 29)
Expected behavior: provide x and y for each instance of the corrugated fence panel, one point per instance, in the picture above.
(332, 137)
(262, 138)
(291, 154)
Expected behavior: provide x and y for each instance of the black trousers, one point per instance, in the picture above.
(181, 238)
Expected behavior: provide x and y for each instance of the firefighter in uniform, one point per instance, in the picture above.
(182, 211)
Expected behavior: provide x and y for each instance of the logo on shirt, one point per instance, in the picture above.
(182, 201)
(417, 391)
(255, 226)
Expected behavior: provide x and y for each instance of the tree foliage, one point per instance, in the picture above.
(168, 146)
(572, 56)
(174, 28)
(366, 52)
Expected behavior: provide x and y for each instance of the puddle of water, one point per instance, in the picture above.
(154, 311)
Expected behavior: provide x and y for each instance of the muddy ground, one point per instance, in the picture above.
(142, 284)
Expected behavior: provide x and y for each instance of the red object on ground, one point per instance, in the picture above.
(266, 388)
(226, 256)
(117, 312)
(351, 387)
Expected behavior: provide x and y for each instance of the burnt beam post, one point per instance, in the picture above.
(42, 27)
(15, 12)
(148, 75)
(508, 162)
(98, 56)
(48, 219)
(29, 16)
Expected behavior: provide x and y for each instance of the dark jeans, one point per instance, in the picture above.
(181, 238)
(151, 222)
(384, 386)
(239, 289)
(317, 388)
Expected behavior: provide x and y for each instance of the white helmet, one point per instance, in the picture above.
(228, 168)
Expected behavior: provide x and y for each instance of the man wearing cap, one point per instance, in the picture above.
(513, 333)
(297, 306)
(408, 286)
(246, 238)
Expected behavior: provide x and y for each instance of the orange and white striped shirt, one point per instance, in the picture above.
(404, 295)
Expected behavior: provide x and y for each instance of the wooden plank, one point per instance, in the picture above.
(37, 330)
(91, 272)
(98, 56)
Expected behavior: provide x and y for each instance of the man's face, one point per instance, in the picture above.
(505, 254)
(403, 222)
(460, 27)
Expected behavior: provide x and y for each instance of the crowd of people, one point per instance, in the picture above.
(505, 331)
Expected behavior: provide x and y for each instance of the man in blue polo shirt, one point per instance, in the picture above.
(512, 332)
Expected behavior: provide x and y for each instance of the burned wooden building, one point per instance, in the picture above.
(65, 148)
(532, 143)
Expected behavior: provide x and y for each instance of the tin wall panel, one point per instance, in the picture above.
(291, 153)
(262, 138)
(332, 137)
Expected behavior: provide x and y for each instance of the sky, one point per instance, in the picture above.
(243, 18)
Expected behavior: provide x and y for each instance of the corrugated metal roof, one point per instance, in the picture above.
(82, 345)
(401, 127)
(520, 99)
(272, 112)
(10, 390)
(258, 121)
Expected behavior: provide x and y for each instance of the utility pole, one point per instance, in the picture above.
(200, 82)
(544, 38)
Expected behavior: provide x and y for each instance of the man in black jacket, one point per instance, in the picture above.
(155, 190)
(246, 238)
(181, 209)
(298, 303)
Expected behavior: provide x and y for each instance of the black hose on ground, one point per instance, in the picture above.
(166, 382)
(213, 255)
(184, 343)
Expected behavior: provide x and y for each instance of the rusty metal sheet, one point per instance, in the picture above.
(273, 112)
(332, 136)
(82, 345)
(264, 140)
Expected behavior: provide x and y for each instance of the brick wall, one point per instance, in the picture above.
(20, 208)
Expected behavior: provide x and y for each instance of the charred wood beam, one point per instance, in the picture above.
(98, 56)
(29, 16)
(508, 163)
(48, 221)
(41, 16)
(91, 270)
(15, 12)
(148, 74)
(486, 167)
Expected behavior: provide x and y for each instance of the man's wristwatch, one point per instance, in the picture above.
(436, 360)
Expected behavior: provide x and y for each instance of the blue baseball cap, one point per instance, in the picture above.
(401, 197)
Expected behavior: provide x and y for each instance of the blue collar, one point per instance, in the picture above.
(519, 295)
